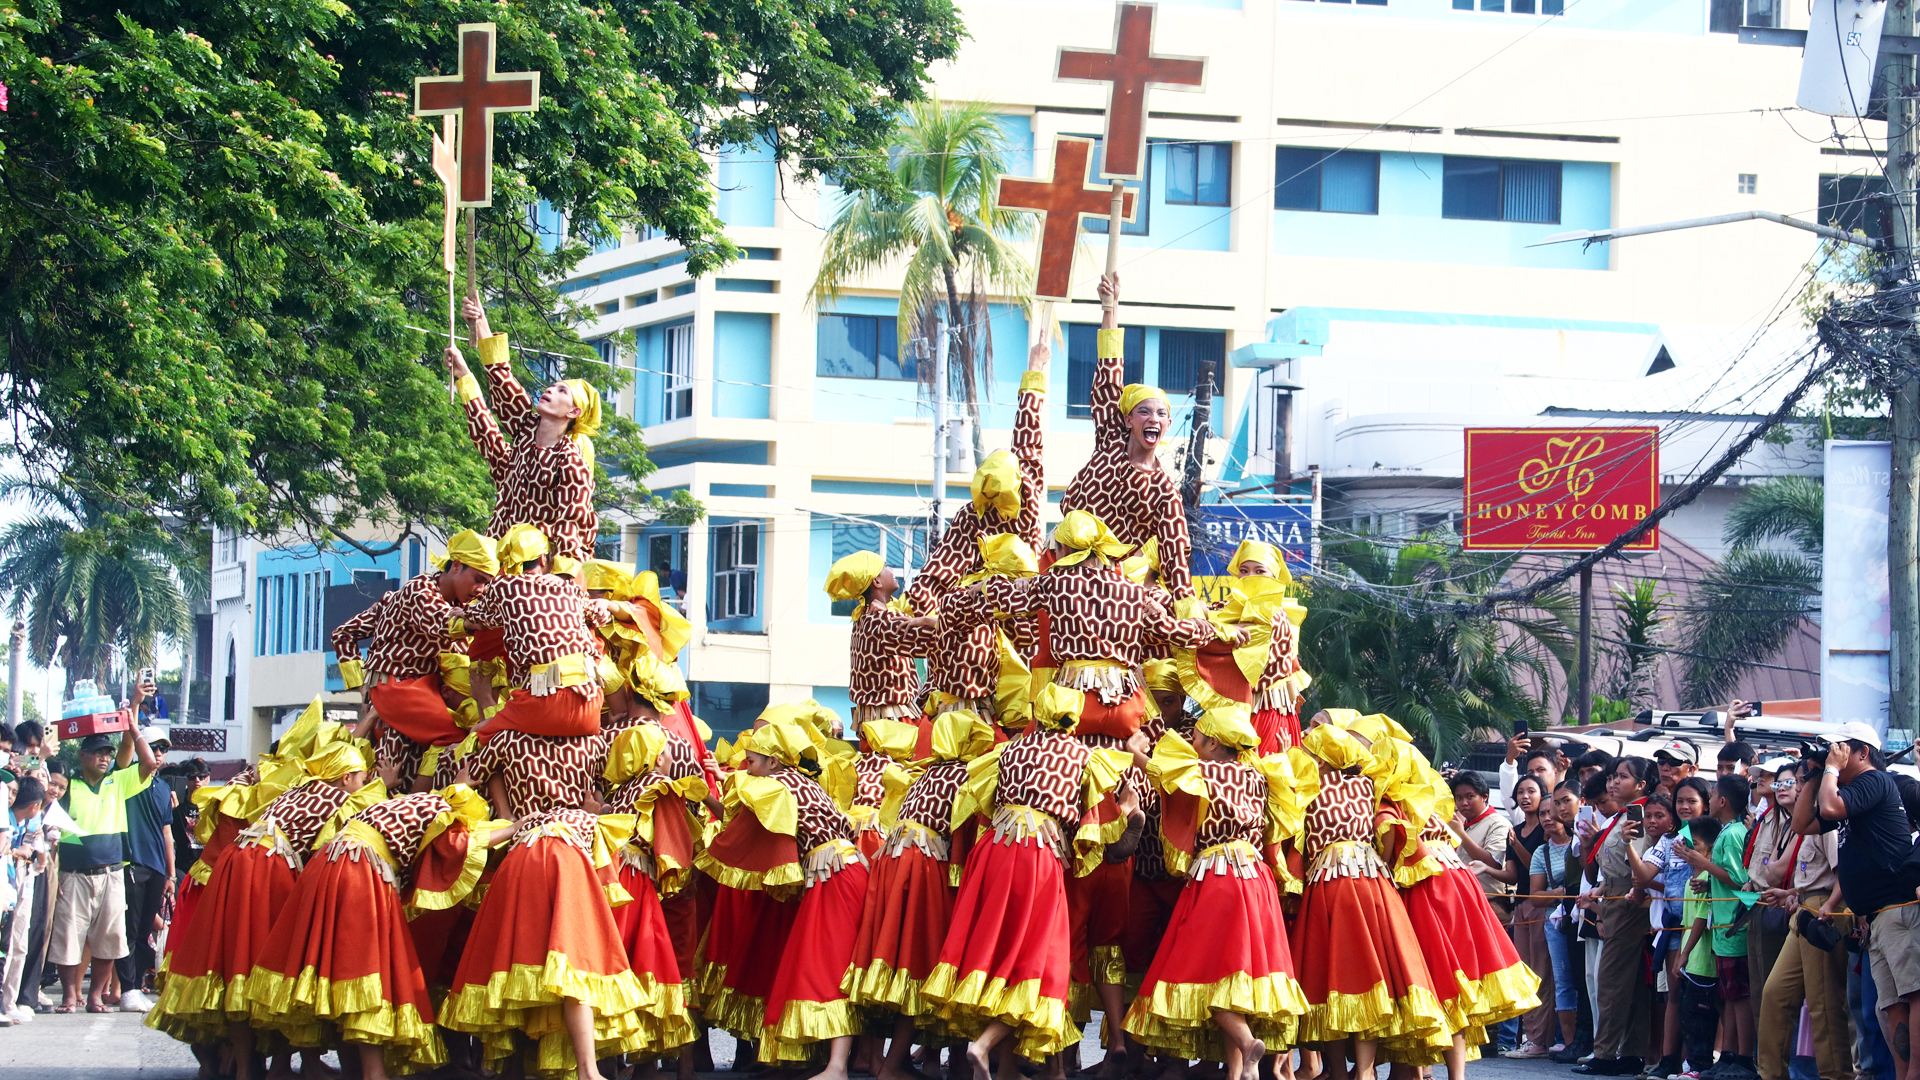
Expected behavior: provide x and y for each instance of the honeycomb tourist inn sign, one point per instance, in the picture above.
(1560, 489)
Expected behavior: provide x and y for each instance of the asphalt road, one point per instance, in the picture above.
(115, 1046)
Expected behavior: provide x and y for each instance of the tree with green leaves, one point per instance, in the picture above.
(941, 218)
(220, 288)
(1639, 628)
(1384, 633)
(1749, 605)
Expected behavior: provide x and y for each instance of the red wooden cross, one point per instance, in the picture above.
(1061, 203)
(1130, 68)
(476, 93)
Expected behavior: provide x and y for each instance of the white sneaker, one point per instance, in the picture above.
(20, 1016)
(134, 1001)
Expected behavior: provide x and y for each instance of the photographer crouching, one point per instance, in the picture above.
(1856, 796)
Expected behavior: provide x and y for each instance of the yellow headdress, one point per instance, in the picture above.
(602, 575)
(996, 484)
(1378, 727)
(1003, 555)
(852, 576)
(1135, 393)
(656, 680)
(961, 734)
(340, 757)
(809, 714)
(1138, 565)
(304, 737)
(1229, 724)
(1161, 674)
(587, 424)
(1263, 553)
(786, 743)
(1336, 746)
(894, 738)
(1057, 708)
(1085, 535)
(469, 547)
(522, 544)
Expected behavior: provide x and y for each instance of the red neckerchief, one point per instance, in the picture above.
(1480, 817)
(1601, 841)
(1746, 854)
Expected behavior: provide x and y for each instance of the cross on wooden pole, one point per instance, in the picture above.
(1129, 69)
(1061, 202)
(475, 93)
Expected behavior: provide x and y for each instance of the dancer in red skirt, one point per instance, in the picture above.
(339, 967)
(1222, 986)
(788, 836)
(204, 997)
(1358, 961)
(881, 779)
(910, 892)
(882, 681)
(1264, 674)
(1005, 967)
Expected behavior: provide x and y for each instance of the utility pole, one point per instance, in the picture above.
(1197, 446)
(16, 671)
(939, 431)
(1585, 698)
(1903, 539)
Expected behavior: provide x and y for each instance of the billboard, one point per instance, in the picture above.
(1559, 489)
(1856, 630)
(1218, 528)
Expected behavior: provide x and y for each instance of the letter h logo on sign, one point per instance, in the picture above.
(1559, 489)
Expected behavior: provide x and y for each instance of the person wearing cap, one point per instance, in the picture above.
(1677, 759)
(539, 453)
(1856, 791)
(91, 911)
(410, 628)
(150, 875)
(1123, 483)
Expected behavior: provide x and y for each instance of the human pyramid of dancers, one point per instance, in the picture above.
(527, 858)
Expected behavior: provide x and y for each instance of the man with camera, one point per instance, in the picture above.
(1856, 796)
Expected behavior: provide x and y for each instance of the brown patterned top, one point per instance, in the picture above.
(1150, 859)
(1097, 614)
(1236, 805)
(929, 799)
(550, 486)
(544, 617)
(1044, 769)
(409, 628)
(958, 552)
(1283, 655)
(1342, 811)
(676, 762)
(300, 814)
(1135, 503)
(390, 748)
(882, 660)
(820, 819)
(403, 822)
(965, 658)
(541, 773)
(869, 769)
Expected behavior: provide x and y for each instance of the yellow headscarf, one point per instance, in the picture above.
(656, 680)
(1229, 724)
(960, 734)
(342, 756)
(1161, 674)
(587, 424)
(1135, 393)
(1138, 565)
(996, 484)
(1378, 727)
(522, 544)
(1336, 746)
(1057, 708)
(809, 714)
(1263, 553)
(1085, 536)
(469, 547)
(852, 576)
(603, 575)
(894, 738)
(786, 743)
(1003, 555)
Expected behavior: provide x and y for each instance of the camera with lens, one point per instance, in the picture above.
(1815, 753)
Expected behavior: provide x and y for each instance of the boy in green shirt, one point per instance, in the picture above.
(1727, 871)
(1698, 989)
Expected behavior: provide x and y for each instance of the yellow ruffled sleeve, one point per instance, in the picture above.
(352, 674)
(1105, 767)
(1176, 770)
(448, 870)
(840, 777)
(978, 792)
(769, 801)
(894, 781)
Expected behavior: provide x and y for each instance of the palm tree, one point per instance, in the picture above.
(90, 586)
(1748, 606)
(943, 220)
(1384, 633)
(1639, 624)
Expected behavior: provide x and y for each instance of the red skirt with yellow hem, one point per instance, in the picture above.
(807, 1005)
(340, 965)
(644, 931)
(544, 935)
(749, 932)
(1008, 954)
(909, 908)
(686, 914)
(1359, 964)
(1477, 973)
(1150, 907)
(208, 971)
(1226, 949)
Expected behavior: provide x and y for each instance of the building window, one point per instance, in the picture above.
(1083, 349)
(736, 572)
(1140, 188)
(1498, 189)
(678, 403)
(1856, 204)
(1334, 182)
(1377, 3)
(862, 347)
(667, 558)
(1749, 183)
(226, 547)
(1199, 174)
(1181, 354)
(1514, 7)
(288, 613)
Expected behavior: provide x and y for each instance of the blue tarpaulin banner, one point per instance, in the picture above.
(1218, 528)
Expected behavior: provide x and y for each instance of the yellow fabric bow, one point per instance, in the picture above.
(810, 714)
(996, 484)
(602, 575)
(1137, 566)
(1263, 553)
(340, 757)
(894, 738)
(1135, 393)
(1229, 724)
(469, 547)
(784, 742)
(1006, 555)
(1336, 746)
(1085, 536)
(960, 734)
(1378, 728)
(1057, 708)
(658, 681)
(522, 544)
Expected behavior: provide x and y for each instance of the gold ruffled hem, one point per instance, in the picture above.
(1499, 995)
(805, 1023)
(968, 1004)
(741, 1015)
(313, 1011)
(1109, 964)
(632, 1013)
(1373, 1015)
(1177, 1019)
(881, 986)
(783, 882)
(198, 1008)
(422, 900)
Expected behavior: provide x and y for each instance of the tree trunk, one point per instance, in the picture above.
(969, 383)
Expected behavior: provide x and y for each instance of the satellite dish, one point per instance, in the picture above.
(1836, 70)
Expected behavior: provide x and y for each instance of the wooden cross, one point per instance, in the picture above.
(446, 166)
(475, 93)
(1061, 203)
(1130, 68)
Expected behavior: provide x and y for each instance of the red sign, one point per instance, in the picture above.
(1560, 489)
